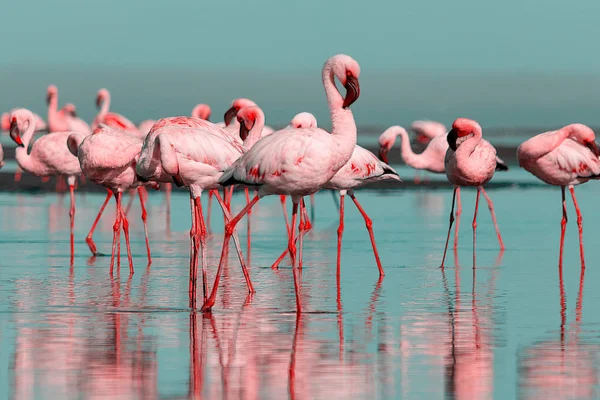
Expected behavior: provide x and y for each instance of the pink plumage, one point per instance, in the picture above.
(112, 119)
(65, 119)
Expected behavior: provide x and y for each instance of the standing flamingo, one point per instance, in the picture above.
(193, 153)
(108, 157)
(565, 157)
(427, 130)
(297, 162)
(470, 161)
(48, 156)
(112, 119)
(65, 119)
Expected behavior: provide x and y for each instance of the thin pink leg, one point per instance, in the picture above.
(579, 225)
(458, 213)
(229, 230)
(236, 242)
(144, 219)
(491, 207)
(193, 254)
(340, 232)
(306, 227)
(450, 226)
(563, 227)
(282, 198)
(475, 222)
(292, 248)
(208, 212)
(18, 173)
(72, 221)
(301, 228)
(89, 239)
(202, 238)
(307, 223)
(248, 223)
(116, 230)
(369, 225)
(127, 243)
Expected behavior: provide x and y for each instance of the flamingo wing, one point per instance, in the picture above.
(51, 151)
(365, 165)
(108, 148)
(573, 157)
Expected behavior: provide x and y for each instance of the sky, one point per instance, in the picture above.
(464, 46)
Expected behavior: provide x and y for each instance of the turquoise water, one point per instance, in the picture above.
(499, 331)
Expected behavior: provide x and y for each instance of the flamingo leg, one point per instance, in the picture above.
(89, 239)
(248, 222)
(127, 243)
(202, 237)
(491, 207)
(369, 224)
(285, 214)
(292, 248)
(307, 222)
(450, 226)
(208, 211)
(193, 254)
(458, 213)
(116, 230)
(579, 225)
(18, 173)
(236, 242)
(144, 219)
(301, 227)
(563, 227)
(340, 232)
(229, 230)
(72, 219)
(475, 222)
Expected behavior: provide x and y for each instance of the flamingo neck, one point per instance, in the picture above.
(144, 163)
(53, 112)
(21, 153)
(408, 155)
(255, 133)
(343, 126)
(103, 110)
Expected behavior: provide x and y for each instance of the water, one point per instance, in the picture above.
(501, 331)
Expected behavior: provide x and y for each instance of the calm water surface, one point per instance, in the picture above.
(512, 328)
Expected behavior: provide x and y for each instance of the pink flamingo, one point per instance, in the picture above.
(192, 153)
(297, 162)
(65, 119)
(48, 156)
(470, 161)
(108, 158)
(232, 125)
(427, 130)
(112, 119)
(201, 111)
(565, 157)
(40, 124)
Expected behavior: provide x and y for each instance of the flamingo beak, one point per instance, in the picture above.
(48, 98)
(352, 91)
(98, 101)
(244, 131)
(422, 139)
(73, 113)
(451, 138)
(14, 133)
(593, 147)
(383, 154)
(229, 115)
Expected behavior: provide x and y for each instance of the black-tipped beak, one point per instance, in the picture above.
(383, 154)
(229, 115)
(98, 101)
(593, 147)
(352, 91)
(244, 131)
(452, 136)
(73, 113)
(14, 133)
(48, 97)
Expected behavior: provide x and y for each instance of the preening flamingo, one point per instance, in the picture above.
(297, 162)
(193, 153)
(565, 157)
(65, 119)
(40, 124)
(112, 119)
(48, 157)
(231, 123)
(427, 130)
(108, 157)
(470, 161)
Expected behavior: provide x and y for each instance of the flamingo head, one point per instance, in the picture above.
(70, 109)
(15, 132)
(387, 139)
(247, 117)
(304, 120)
(51, 92)
(462, 128)
(236, 106)
(101, 97)
(584, 135)
(202, 111)
(347, 71)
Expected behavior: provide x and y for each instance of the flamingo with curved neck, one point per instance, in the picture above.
(202, 111)
(275, 164)
(231, 123)
(49, 156)
(112, 119)
(470, 161)
(64, 119)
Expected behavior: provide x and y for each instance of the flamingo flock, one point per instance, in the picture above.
(297, 161)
